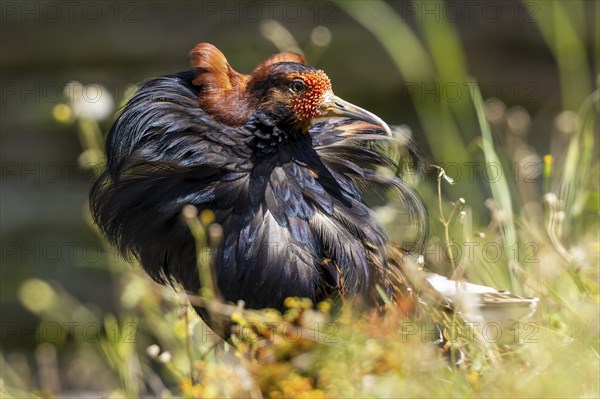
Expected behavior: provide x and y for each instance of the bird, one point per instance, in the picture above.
(282, 163)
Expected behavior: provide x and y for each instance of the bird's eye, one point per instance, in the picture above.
(297, 86)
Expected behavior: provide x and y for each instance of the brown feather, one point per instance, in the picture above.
(222, 87)
(284, 56)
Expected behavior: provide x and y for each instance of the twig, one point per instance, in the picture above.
(446, 221)
(188, 342)
(207, 280)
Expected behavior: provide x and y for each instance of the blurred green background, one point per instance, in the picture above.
(411, 63)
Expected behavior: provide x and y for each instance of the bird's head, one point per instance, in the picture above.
(282, 86)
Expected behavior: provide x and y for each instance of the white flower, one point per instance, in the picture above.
(153, 350)
(92, 101)
(165, 357)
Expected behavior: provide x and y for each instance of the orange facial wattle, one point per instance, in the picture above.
(308, 104)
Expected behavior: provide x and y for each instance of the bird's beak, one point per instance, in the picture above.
(335, 106)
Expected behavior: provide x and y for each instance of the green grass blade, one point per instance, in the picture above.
(500, 188)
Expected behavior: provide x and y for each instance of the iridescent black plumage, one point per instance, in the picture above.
(294, 222)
